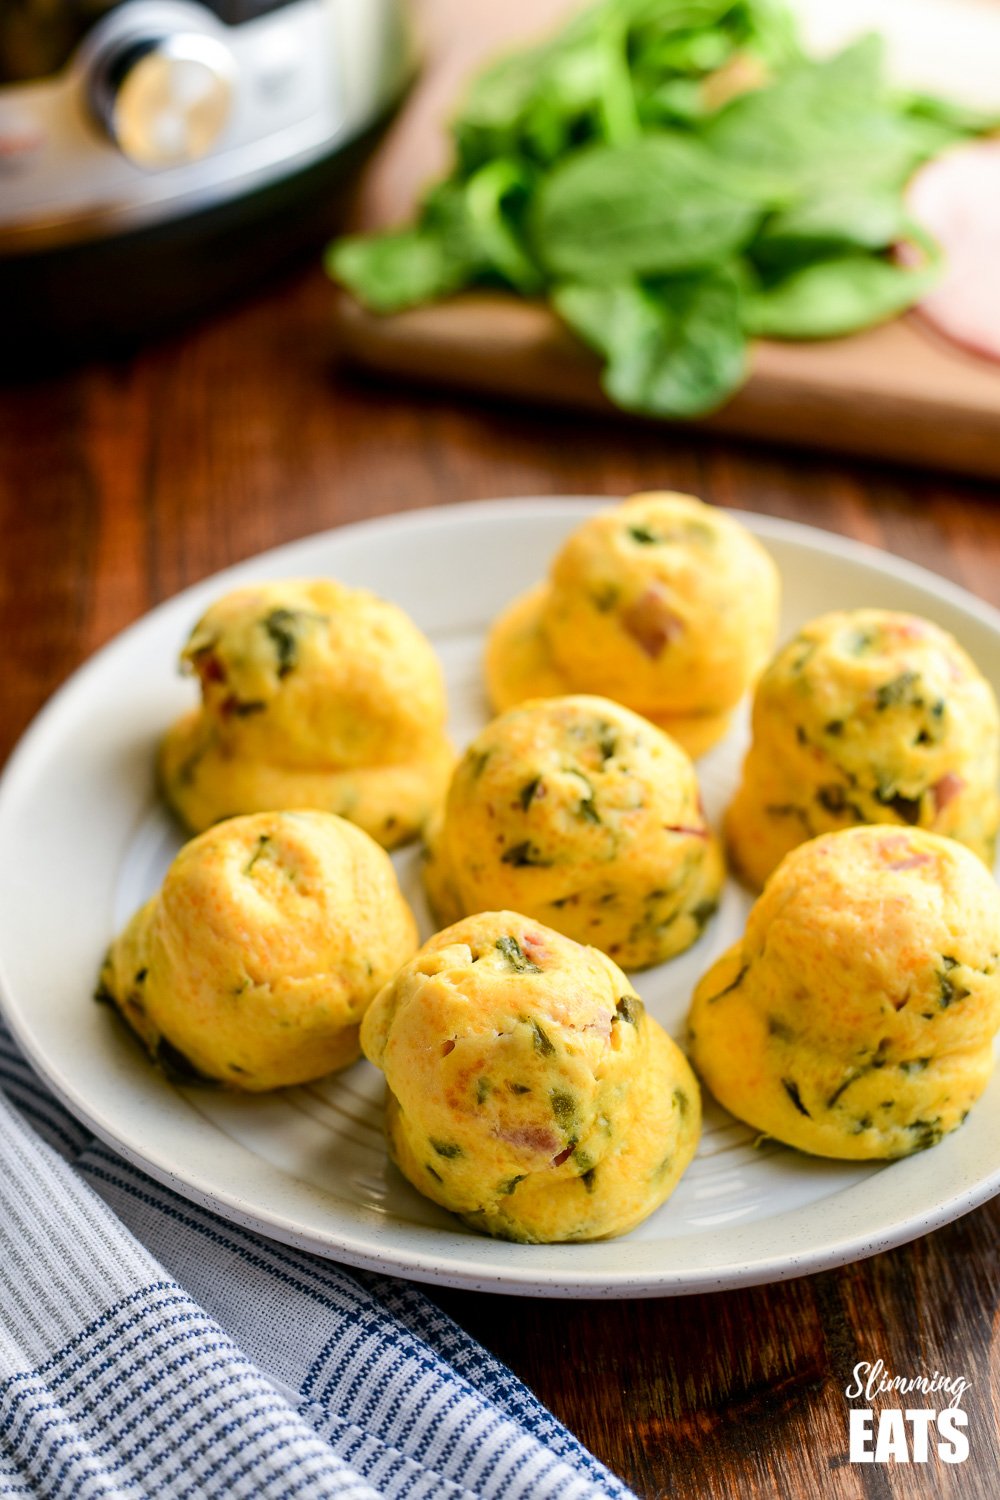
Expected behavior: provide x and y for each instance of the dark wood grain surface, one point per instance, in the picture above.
(121, 483)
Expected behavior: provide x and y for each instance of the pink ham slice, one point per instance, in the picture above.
(956, 198)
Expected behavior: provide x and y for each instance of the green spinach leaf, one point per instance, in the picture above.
(817, 125)
(837, 296)
(439, 255)
(653, 206)
(674, 348)
(840, 218)
(494, 197)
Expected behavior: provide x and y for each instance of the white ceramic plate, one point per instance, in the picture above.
(84, 841)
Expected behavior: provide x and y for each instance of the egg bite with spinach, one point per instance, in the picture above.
(867, 716)
(313, 695)
(584, 816)
(856, 1017)
(256, 960)
(527, 1088)
(662, 603)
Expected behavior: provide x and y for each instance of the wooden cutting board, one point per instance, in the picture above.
(897, 392)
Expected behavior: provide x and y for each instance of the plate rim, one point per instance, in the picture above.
(431, 1266)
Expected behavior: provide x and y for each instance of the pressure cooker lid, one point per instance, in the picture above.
(38, 37)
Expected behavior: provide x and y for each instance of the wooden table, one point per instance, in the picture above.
(120, 484)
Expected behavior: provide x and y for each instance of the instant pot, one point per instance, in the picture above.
(156, 155)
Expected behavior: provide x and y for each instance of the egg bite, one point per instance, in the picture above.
(662, 603)
(255, 962)
(313, 695)
(582, 815)
(856, 1017)
(867, 717)
(527, 1088)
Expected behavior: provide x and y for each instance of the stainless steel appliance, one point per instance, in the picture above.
(155, 153)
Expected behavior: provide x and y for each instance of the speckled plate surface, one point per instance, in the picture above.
(85, 841)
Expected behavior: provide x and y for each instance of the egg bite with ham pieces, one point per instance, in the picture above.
(313, 695)
(867, 716)
(527, 1088)
(856, 1016)
(664, 604)
(254, 963)
(585, 816)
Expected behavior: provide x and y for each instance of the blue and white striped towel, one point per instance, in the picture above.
(148, 1348)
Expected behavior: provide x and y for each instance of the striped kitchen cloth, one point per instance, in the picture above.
(149, 1348)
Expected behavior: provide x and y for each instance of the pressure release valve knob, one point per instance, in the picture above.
(165, 99)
